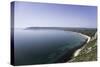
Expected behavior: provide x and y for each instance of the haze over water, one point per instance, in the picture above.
(48, 45)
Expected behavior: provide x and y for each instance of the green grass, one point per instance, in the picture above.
(87, 54)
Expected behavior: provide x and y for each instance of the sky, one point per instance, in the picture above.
(29, 14)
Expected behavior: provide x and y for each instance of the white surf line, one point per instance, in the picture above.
(76, 53)
(78, 50)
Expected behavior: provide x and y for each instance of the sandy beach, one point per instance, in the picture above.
(78, 51)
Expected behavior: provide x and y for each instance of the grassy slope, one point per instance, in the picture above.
(89, 53)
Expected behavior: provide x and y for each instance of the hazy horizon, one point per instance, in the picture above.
(27, 14)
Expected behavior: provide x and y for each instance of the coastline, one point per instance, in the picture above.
(76, 53)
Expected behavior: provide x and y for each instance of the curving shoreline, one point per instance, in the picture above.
(76, 53)
(68, 57)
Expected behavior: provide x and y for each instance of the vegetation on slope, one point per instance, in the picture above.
(89, 53)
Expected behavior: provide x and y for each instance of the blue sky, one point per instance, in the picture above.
(29, 14)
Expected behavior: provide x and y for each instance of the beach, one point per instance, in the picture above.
(76, 53)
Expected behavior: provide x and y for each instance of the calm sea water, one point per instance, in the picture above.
(43, 46)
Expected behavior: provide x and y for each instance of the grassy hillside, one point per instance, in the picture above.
(89, 53)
